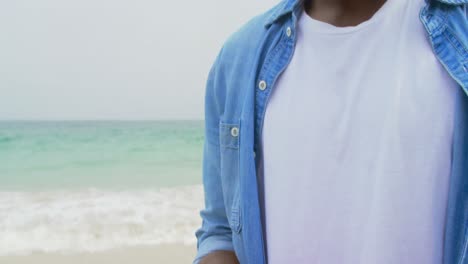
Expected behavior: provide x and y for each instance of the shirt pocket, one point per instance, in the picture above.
(229, 137)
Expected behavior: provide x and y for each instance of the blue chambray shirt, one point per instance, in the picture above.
(238, 86)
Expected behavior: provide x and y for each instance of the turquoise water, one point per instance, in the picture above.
(110, 154)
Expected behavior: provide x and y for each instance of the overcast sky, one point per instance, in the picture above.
(112, 59)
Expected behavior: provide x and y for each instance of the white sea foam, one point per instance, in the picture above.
(95, 220)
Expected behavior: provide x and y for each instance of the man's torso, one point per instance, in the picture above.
(356, 144)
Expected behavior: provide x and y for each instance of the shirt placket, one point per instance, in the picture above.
(274, 64)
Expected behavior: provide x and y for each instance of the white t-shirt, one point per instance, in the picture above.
(356, 145)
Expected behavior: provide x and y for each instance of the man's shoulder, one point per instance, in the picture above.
(246, 39)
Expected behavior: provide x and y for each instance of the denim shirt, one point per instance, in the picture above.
(238, 87)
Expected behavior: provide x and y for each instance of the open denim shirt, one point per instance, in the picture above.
(238, 86)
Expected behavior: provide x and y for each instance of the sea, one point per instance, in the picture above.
(85, 186)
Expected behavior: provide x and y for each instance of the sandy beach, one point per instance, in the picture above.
(173, 254)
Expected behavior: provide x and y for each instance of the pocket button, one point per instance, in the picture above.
(235, 132)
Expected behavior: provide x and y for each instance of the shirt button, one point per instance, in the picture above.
(262, 85)
(288, 31)
(234, 131)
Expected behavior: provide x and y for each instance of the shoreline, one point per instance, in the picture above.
(166, 253)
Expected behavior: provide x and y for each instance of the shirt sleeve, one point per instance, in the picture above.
(215, 233)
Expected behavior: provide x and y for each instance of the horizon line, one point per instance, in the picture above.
(97, 120)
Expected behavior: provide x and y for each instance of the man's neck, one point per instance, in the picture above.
(342, 13)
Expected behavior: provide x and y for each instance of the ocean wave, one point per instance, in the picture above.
(96, 220)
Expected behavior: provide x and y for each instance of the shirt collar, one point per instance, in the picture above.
(288, 6)
(285, 7)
